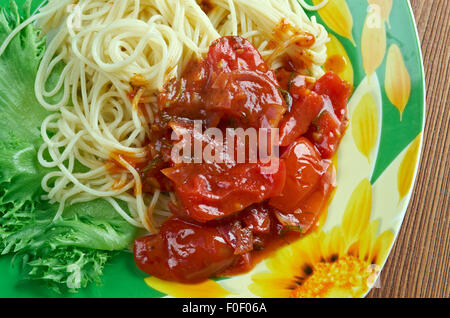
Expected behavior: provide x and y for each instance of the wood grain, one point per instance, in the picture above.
(419, 264)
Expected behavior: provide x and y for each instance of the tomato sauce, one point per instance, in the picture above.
(229, 216)
(335, 64)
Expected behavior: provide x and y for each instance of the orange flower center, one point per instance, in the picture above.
(346, 277)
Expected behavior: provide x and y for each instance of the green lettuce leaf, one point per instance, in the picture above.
(87, 225)
(21, 114)
(67, 253)
(18, 68)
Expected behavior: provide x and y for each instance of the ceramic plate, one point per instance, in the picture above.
(374, 46)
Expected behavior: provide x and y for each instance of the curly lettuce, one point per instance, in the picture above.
(68, 253)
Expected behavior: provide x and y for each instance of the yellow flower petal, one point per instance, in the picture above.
(304, 251)
(373, 43)
(364, 246)
(383, 6)
(338, 60)
(381, 247)
(397, 79)
(271, 285)
(337, 16)
(277, 263)
(334, 243)
(357, 213)
(208, 289)
(407, 168)
(365, 125)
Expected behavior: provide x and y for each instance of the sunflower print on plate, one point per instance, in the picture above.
(341, 263)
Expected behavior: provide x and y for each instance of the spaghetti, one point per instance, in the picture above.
(100, 45)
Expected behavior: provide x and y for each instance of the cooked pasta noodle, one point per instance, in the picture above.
(100, 46)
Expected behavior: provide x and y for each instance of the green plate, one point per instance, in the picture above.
(374, 45)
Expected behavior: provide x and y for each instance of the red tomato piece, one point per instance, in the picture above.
(184, 252)
(304, 168)
(308, 210)
(232, 53)
(233, 82)
(329, 126)
(242, 85)
(250, 98)
(337, 90)
(183, 97)
(326, 133)
(212, 191)
(257, 218)
(187, 97)
(284, 78)
(296, 123)
(238, 236)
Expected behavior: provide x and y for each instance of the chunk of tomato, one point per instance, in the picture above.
(296, 123)
(242, 85)
(307, 212)
(328, 128)
(251, 98)
(184, 252)
(233, 82)
(184, 97)
(232, 53)
(257, 218)
(304, 168)
(337, 90)
(326, 133)
(212, 191)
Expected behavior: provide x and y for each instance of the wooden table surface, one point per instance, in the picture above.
(419, 264)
